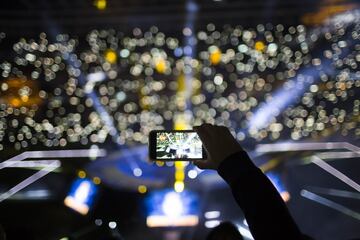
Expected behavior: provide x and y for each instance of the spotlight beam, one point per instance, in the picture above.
(245, 232)
(284, 96)
(33, 164)
(43, 172)
(331, 204)
(92, 79)
(285, 147)
(336, 173)
(54, 154)
(352, 147)
(318, 159)
(335, 192)
(336, 155)
(100, 109)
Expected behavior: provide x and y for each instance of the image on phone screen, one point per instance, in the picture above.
(178, 145)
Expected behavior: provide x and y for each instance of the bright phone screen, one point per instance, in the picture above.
(178, 145)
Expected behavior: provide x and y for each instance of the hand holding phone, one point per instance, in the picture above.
(175, 145)
(219, 144)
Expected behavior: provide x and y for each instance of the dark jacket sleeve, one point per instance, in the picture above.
(263, 207)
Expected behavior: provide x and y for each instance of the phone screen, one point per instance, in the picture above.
(174, 145)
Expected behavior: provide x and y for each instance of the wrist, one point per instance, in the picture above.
(235, 165)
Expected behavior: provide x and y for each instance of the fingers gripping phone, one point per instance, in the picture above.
(175, 145)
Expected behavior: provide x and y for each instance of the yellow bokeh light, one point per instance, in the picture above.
(179, 186)
(160, 65)
(160, 163)
(97, 180)
(260, 46)
(110, 56)
(142, 189)
(181, 83)
(179, 164)
(179, 175)
(81, 174)
(19, 92)
(100, 4)
(144, 103)
(24, 98)
(15, 102)
(215, 55)
(180, 125)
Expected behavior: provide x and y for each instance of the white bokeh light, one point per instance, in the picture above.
(172, 205)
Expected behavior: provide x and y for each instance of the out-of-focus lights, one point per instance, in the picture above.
(285, 195)
(124, 53)
(137, 172)
(243, 48)
(100, 4)
(245, 223)
(192, 174)
(172, 205)
(179, 175)
(112, 225)
(245, 232)
(160, 163)
(178, 52)
(272, 48)
(142, 189)
(160, 65)
(110, 56)
(260, 46)
(81, 196)
(97, 180)
(212, 223)
(179, 186)
(218, 80)
(98, 222)
(81, 174)
(276, 181)
(212, 214)
(215, 55)
(94, 152)
(163, 221)
(37, 194)
(168, 208)
(96, 77)
(138, 52)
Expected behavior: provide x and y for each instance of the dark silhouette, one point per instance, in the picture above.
(225, 231)
(2, 233)
(263, 207)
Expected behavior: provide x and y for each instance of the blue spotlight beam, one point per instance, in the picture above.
(287, 95)
(104, 115)
(73, 62)
(294, 88)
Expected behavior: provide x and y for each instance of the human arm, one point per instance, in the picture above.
(264, 209)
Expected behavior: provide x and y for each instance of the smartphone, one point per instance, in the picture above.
(175, 145)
